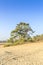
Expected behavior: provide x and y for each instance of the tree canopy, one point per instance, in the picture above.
(21, 31)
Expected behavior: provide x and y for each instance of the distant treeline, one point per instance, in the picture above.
(3, 41)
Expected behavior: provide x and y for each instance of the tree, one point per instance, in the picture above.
(21, 31)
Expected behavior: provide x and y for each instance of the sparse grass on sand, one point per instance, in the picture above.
(26, 54)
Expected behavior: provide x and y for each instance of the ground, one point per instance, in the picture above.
(26, 54)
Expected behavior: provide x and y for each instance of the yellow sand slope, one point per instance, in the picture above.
(26, 54)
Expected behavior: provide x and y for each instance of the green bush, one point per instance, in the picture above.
(7, 44)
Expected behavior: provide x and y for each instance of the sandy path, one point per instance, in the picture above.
(27, 54)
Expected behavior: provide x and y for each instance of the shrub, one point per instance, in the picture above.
(7, 44)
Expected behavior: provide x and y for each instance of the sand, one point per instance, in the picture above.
(26, 54)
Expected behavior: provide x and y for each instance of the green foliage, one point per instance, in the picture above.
(20, 35)
(19, 42)
(7, 44)
(23, 40)
(21, 31)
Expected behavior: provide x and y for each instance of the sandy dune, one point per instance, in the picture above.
(27, 54)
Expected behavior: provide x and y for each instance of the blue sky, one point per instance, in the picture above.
(14, 11)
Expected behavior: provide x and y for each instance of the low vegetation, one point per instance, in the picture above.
(38, 38)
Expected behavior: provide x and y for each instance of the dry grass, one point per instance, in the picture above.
(26, 54)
